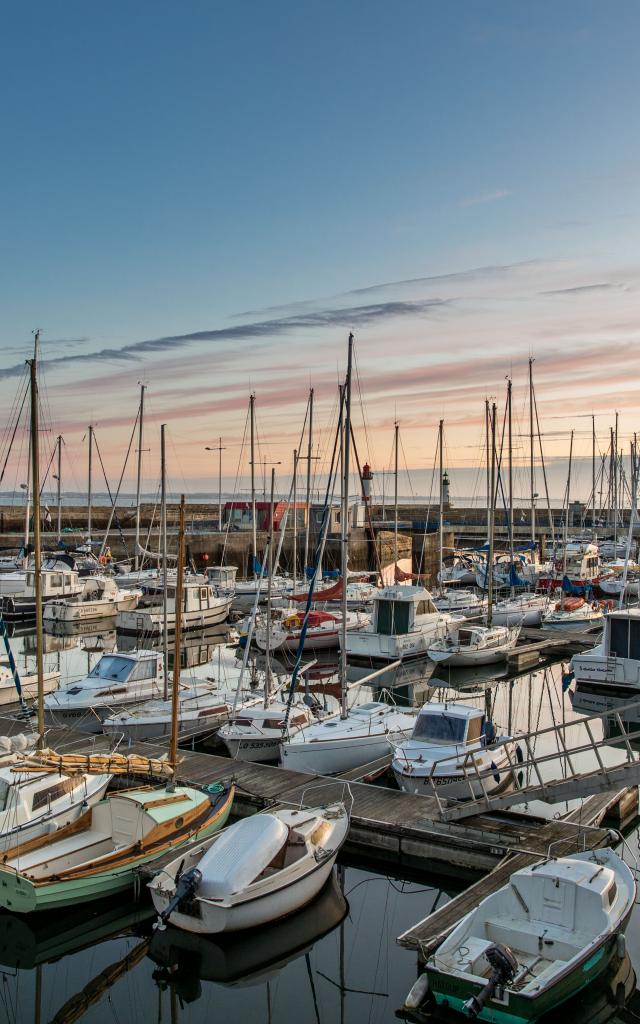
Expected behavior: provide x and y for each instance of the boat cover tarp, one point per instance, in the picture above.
(241, 853)
(575, 589)
(329, 594)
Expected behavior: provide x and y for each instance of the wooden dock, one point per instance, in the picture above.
(398, 828)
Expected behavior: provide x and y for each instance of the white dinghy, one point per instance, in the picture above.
(258, 870)
(475, 645)
(539, 940)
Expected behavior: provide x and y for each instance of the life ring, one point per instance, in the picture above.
(103, 559)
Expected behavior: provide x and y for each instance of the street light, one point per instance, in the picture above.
(220, 450)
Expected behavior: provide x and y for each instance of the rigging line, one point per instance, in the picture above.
(235, 485)
(544, 470)
(15, 429)
(6, 430)
(113, 509)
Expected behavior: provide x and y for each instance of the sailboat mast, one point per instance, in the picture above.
(510, 440)
(487, 431)
(491, 516)
(163, 532)
(295, 520)
(139, 474)
(59, 488)
(254, 538)
(344, 538)
(616, 499)
(566, 515)
(593, 472)
(35, 487)
(532, 478)
(441, 511)
(27, 507)
(90, 484)
(267, 653)
(309, 459)
(175, 691)
(395, 502)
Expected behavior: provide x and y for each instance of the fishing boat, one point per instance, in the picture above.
(520, 610)
(259, 870)
(346, 741)
(577, 559)
(322, 630)
(456, 747)
(35, 805)
(573, 613)
(201, 607)
(405, 621)
(98, 854)
(202, 709)
(100, 597)
(254, 733)
(115, 682)
(55, 583)
(612, 667)
(474, 645)
(532, 945)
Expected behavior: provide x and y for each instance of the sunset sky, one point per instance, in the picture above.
(207, 197)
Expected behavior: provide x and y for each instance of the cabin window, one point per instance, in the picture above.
(619, 637)
(424, 607)
(5, 789)
(56, 579)
(111, 667)
(144, 670)
(43, 796)
(634, 639)
(30, 582)
(393, 617)
(474, 731)
(203, 593)
(439, 728)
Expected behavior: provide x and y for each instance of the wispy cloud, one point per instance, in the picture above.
(604, 286)
(485, 197)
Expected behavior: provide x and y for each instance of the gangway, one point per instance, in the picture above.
(573, 783)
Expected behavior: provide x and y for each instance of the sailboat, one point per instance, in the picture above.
(100, 852)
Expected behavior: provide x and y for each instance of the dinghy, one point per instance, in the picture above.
(548, 933)
(99, 853)
(259, 870)
(475, 645)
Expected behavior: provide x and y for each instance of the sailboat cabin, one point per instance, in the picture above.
(396, 608)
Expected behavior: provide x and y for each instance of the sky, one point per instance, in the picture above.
(208, 197)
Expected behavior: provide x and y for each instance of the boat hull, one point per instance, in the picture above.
(256, 748)
(489, 780)
(88, 610)
(145, 623)
(329, 757)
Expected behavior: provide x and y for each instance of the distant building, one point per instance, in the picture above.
(237, 514)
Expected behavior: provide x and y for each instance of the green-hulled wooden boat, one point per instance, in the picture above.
(537, 942)
(100, 852)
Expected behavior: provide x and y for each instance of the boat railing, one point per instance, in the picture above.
(345, 789)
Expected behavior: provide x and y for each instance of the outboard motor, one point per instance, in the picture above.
(503, 967)
(186, 885)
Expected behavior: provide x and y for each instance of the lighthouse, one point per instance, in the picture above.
(446, 503)
(367, 477)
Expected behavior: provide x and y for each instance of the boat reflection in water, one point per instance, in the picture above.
(184, 960)
(589, 703)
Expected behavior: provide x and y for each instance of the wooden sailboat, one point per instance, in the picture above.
(100, 853)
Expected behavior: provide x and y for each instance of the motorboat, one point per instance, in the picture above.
(612, 667)
(460, 602)
(223, 579)
(28, 683)
(246, 591)
(254, 733)
(537, 941)
(573, 613)
(475, 645)
(261, 869)
(201, 608)
(202, 709)
(339, 743)
(453, 746)
(404, 622)
(520, 610)
(100, 597)
(578, 559)
(116, 681)
(612, 583)
(322, 631)
(36, 804)
(55, 584)
(101, 852)
(461, 571)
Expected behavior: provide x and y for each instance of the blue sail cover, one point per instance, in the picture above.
(575, 589)
(515, 580)
(258, 568)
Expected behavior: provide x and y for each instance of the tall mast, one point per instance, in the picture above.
(27, 507)
(59, 487)
(593, 472)
(510, 440)
(616, 499)
(309, 459)
(89, 484)
(267, 666)
(441, 513)
(139, 474)
(344, 538)
(532, 478)
(295, 520)
(491, 517)
(395, 502)
(175, 690)
(487, 433)
(566, 516)
(35, 487)
(220, 451)
(163, 531)
(254, 537)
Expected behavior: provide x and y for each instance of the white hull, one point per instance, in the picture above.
(327, 757)
(481, 657)
(51, 821)
(141, 622)
(382, 647)
(458, 788)
(515, 614)
(29, 684)
(256, 748)
(88, 610)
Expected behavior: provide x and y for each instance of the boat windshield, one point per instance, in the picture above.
(441, 728)
(112, 667)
